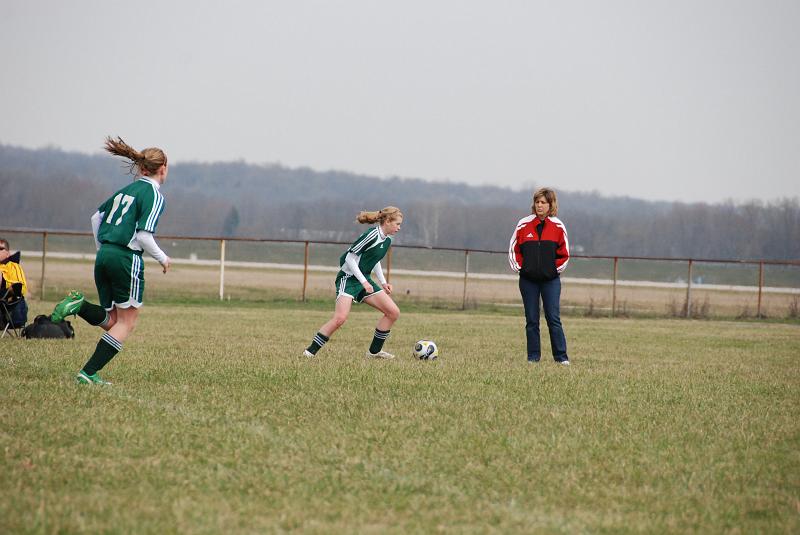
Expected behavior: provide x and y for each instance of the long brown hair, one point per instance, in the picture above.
(384, 214)
(146, 162)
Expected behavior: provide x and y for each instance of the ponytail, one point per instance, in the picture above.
(146, 162)
(388, 213)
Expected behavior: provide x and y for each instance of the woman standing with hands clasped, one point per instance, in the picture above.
(539, 252)
(353, 282)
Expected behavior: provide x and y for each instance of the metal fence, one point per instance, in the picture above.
(603, 285)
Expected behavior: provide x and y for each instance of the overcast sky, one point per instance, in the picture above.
(672, 100)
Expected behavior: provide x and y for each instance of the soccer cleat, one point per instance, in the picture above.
(379, 355)
(68, 306)
(564, 362)
(309, 354)
(85, 379)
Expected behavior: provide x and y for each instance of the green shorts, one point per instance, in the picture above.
(119, 277)
(349, 285)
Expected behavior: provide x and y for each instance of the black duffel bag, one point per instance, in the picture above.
(42, 327)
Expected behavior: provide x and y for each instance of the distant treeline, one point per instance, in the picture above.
(50, 188)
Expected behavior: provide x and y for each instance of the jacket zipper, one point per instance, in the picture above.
(539, 248)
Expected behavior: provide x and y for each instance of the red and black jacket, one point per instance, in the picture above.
(539, 250)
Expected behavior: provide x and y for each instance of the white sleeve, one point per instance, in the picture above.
(96, 219)
(512, 255)
(352, 262)
(148, 243)
(378, 270)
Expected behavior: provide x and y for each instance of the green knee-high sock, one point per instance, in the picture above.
(93, 314)
(317, 343)
(107, 348)
(377, 341)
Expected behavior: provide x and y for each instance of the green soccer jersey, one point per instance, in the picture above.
(135, 207)
(370, 248)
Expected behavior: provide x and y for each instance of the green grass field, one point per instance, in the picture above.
(214, 424)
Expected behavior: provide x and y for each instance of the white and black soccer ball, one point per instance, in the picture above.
(425, 350)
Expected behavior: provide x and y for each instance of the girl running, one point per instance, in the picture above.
(353, 282)
(123, 227)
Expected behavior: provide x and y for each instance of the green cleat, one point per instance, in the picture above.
(68, 306)
(84, 379)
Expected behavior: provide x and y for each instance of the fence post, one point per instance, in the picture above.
(689, 291)
(614, 290)
(305, 272)
(221, 269)
(466, 270)
(760, 286)
(44, 256)
(389, 266)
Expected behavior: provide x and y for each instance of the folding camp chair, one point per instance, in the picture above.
(10, 300)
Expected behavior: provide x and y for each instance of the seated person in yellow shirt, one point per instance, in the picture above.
(11, 273)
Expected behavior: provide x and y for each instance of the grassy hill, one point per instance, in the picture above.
(50, 188)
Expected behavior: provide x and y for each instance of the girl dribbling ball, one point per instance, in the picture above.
(354, 284)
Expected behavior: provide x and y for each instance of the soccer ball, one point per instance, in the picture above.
(425, 350)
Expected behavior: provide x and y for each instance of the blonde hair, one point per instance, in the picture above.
(385, 214)
(550, 196)
(146, 162)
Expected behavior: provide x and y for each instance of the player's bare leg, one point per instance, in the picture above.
(343, 305)
(391, 312)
